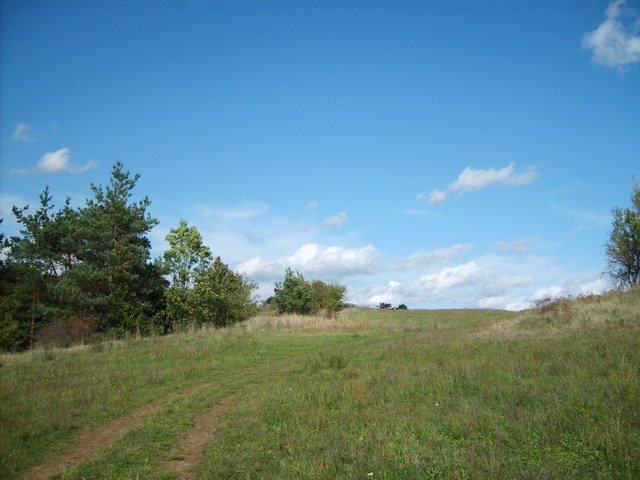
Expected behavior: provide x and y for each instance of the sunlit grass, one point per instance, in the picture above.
(552, 393)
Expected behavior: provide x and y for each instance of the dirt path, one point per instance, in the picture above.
(182, 458)
(87, 444)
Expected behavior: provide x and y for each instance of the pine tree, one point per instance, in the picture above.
(35, 262)
(113, 281)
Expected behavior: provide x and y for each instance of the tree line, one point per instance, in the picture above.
(76, 272)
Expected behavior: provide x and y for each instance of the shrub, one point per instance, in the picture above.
(294, 295)
(222, 296)
(329, 296)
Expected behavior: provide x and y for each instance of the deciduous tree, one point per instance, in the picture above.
(623, 248)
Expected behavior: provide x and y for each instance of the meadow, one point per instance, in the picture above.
(552, 392)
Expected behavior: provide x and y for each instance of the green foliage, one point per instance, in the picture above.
(329, 296)
(114, 282)
(90, 263)
(186, 257)
(36, 260)
(623, 248)
(294, 295)
(200, 291)
(222, 296)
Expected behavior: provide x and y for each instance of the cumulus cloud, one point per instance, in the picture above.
(469, 284)
(56, 162)
(238, 212)
(336, 220)
(519, 245)
(433, 257)
(614, 43)
(445, 279)
(312, 260)
(313, 204)
(475, 179)
(444, 284)
(23, 133)
(573, 287)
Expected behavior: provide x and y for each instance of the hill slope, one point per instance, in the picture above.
(550, 393)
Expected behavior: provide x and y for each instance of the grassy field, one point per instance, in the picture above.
(551, 393)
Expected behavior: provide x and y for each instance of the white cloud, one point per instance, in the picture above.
(445, 285)
(519, 245)
(614, 44)
(331, 263)
(447, 278)
(313, 204)
(476, 179)
(433, 257)
(336, 220)
(471, 284)
(575, 286)
(23, 133)
(55, 162)
(239, 212)
(498, 301)
(437, 196)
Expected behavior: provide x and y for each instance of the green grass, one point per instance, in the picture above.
(553, 393)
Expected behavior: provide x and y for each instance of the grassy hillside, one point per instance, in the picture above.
(552, 393)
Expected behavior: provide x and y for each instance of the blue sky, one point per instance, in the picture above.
(438, 154)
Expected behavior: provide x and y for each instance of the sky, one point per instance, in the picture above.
(440, 154)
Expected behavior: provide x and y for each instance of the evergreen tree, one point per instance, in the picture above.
(36, 260)
(113, 281)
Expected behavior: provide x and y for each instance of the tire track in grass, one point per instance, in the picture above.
(87, 444)
(181, 459)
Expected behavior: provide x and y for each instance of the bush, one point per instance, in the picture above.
(294, 295)
(223, 296)
(329, 296)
